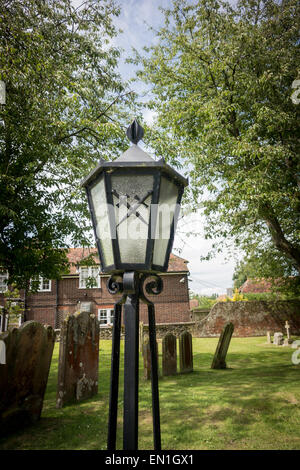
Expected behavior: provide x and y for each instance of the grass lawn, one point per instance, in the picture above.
(254, 404)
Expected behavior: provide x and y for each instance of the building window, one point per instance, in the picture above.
(3, 281)
(105, 316)
(1, 320)
(43, 284)
(89, 277)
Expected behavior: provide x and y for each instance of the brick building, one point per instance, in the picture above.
(57, 298)
(256, 286)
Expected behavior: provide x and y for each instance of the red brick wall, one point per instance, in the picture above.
(172, 305)
(252, 318)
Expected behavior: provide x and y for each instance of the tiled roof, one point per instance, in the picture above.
(76, 255)
(221, 297)
(256, 286)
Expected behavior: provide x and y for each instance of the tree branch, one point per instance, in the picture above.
(277, 235)
(103, 113)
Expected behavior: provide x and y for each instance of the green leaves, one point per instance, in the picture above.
(64, 99)
(221, 81)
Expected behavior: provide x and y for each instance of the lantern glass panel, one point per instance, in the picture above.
(132, 195)
(165, 214)
(102, 228)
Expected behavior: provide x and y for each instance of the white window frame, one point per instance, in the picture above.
(90, 270)
(41, 282)
(109, 316)
(3, 277)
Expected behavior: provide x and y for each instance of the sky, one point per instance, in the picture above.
(207, 277)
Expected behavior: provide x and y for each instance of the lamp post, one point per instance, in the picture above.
(134, 203)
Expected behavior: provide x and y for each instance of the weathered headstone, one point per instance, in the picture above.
(278, 339)
(287, 327)
(24, 376)
(147, 357)
(185, 352)
(78, 359)
(219, 360)
(169, 354)
(85, 307)
(269, 341)
(141, 335)
(147, 360)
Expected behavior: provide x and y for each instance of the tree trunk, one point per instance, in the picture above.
(277, 235)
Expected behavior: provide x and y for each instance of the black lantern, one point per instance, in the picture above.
(134, 203)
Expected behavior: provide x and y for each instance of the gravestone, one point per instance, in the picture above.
(185, 352)
(169, 354)
(147, 360)
(85, 307)
(141, 335)
(287, 327)
(219, 360)
(278, 339)
(24, 376)
(147, 357)
(269, 341)
(78, 359)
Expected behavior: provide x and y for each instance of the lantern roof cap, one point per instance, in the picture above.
(133, 157)
(134, 154)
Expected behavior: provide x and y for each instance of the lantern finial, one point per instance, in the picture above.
(135, 132)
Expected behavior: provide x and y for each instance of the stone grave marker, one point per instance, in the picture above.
(141, 335)
(185, 352)
(269, 341)
(78, 359)
(147, 360)
(169, 355)
(147, 357)
(219, 360)
(24, 375)
(287, 327)
(278, 338)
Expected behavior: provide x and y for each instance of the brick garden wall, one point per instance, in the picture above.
(161, 329)
(253, 318)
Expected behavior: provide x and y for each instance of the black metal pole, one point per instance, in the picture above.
(132, 288)
(114, 379)
(131, 372)
(154, 378)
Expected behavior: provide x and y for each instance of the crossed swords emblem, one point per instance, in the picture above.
(132, 208)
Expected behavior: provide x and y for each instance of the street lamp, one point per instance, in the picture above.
(134, 203)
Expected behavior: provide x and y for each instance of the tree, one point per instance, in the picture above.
(274, 269)
(13, 309)
(64, 99)
(221, 78)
